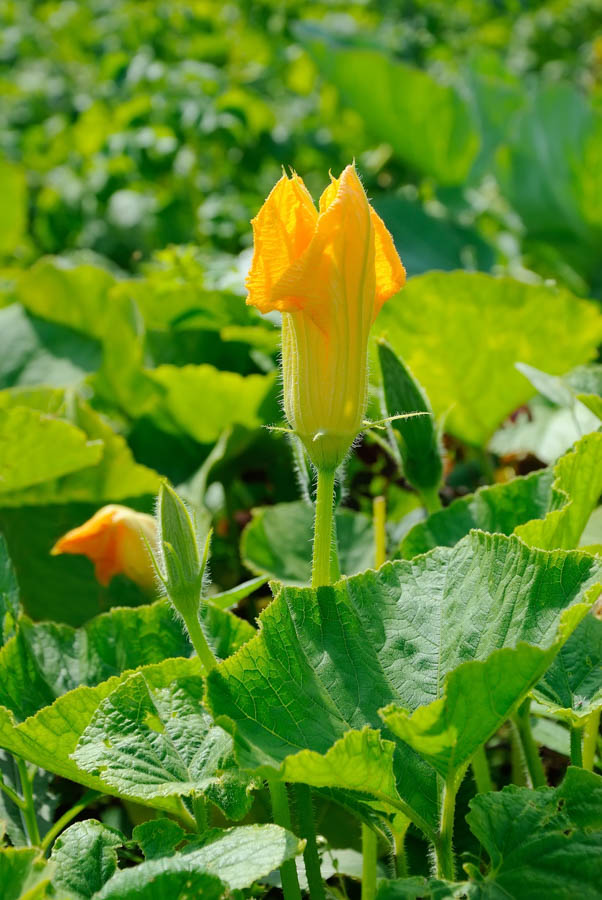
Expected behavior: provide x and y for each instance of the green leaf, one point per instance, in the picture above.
(34, 351)
(26, 437)
(542, 838)
(24, 874)
(10, 606)
(543, 843)
(428, 124)
(158, 837)
(72, 295)
(547, 509)
(277, 542)
(416, 437)
(13, 190)
(461, 334)
(48, 738)
(110, 474)
(162, 879)
(147, 743)
(572, 688)
(237, 856)
(85, 857)
(201, 400)
(412, 634)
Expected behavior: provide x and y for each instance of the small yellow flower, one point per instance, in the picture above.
(114, 539)
(328, 273)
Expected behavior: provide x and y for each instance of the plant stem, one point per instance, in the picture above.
(480, 770)
(379, 518)
(430, 500)
(369, 857)
(305, 821)
(199, 808)
(199, 642)
(320, 573)
(576, 748)
(12, 795)
(590, 739)
(52, 833)
(444, 845)
(530, 749)
(401, 860)
(29, 811)
(282, 816)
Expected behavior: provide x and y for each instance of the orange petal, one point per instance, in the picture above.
(390, 272)
(336, 273)
(282, 230)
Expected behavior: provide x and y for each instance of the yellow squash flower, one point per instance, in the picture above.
(114, 539)
(328, 273)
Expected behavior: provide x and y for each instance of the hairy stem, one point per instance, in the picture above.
(576, 746)
(282, 816)
(444, 850)
(369, 857)
(28, 809)
(199, 808)
(590, 739)
(320, 573)
(401, 859)
(199, 642)
(480, 770)
(305, 820)
(530, 749)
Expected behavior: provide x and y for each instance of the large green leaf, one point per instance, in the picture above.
(237, 857)
(201, 400)
(111, 473)
(147, 743)
(547, 509)
(34, 351)
(462, 333)
(276, 542)
(544, 843)
(85, 857)
(572, 687)
(428, 124)
(35, 448)
(456, 621)
(24, 873)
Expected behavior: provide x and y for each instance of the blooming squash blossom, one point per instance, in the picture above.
(115, 539)
(328, 273)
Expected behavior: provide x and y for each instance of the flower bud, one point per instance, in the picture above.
(328, 273)
(116, 539)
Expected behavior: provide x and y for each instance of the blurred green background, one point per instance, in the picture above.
(138, 138)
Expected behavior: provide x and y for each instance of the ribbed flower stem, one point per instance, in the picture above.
(29, 809)
(576, 746)
(282, 816)
(369, 860)
(321, 565)
(307, 830)
(590, 739)
(480, 770)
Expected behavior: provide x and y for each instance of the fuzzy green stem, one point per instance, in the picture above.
(12, 795)
(29, 810)
(444, 850)
(480, 770)
(379, 517)
(320, 573)
(199, 808)
(576, 746)
(530, 749)
(199, 642)
(431, 500)
(307, 830)
(401, 859)
(590, 739)
(282, 816)
(369, 858)
(52, 833)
